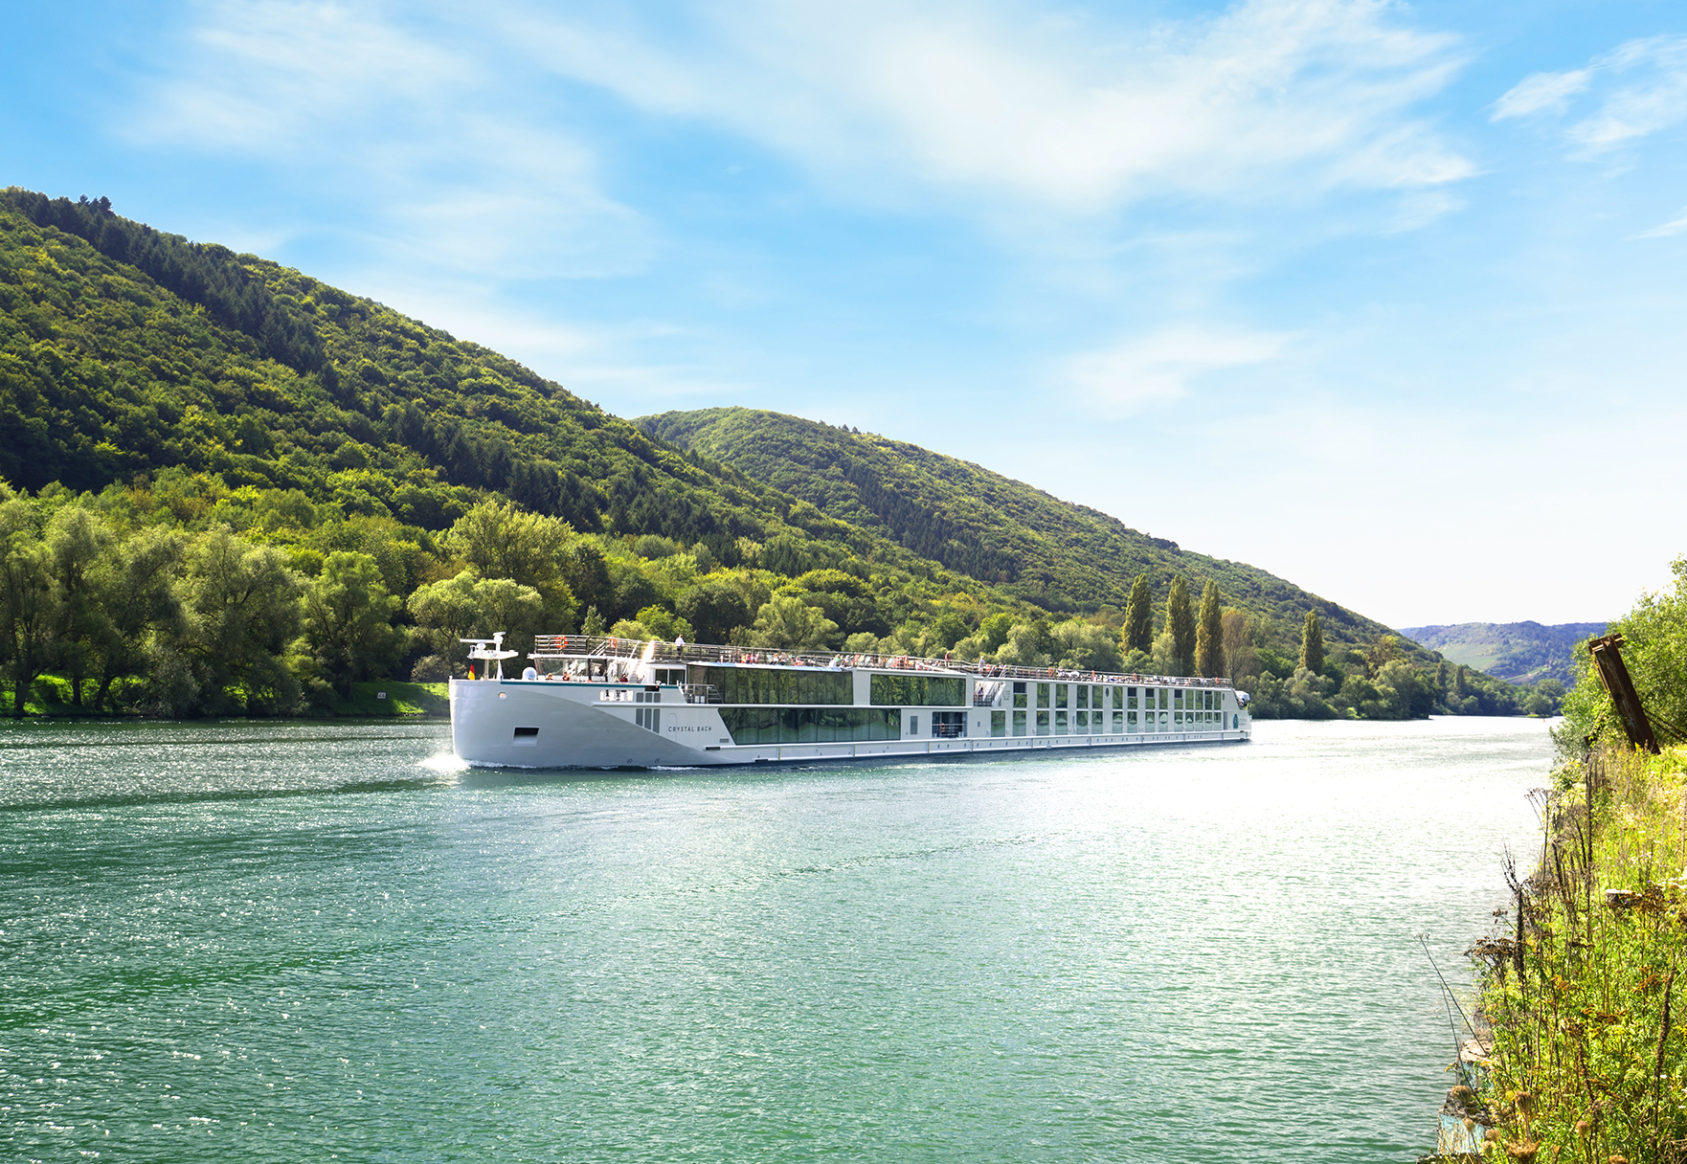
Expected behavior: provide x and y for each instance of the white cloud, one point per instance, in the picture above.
(1160, 368)
(1674, 226)
(1635, 90)
(410, 124)
(1542, 93)
(1059, 112)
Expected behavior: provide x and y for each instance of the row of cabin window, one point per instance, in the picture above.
(810, 725)
(1062, 723)
(1115, 696)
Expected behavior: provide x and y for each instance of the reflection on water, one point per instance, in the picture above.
(210, 951)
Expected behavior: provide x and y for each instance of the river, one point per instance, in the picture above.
(291, 941)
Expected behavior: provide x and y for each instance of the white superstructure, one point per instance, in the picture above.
(620, 703)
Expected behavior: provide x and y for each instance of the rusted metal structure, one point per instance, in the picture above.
(1613, 676)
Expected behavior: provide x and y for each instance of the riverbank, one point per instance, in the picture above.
(1588, 1052)
(50, 697)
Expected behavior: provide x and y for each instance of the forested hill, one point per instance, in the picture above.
(124, 349)
(1053, 553)
(1518, 652)
(226, 487)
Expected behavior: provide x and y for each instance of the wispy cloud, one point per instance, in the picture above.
(410, 122)
(1055, 111)
(1633, 91)
(1676, 225)
(1162, 367)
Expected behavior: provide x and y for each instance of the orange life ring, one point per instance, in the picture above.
(564, 644)
(614, 644)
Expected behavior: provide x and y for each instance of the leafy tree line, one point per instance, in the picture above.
(179, 595)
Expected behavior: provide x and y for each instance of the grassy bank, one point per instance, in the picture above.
(50, 696)
(1585, 980)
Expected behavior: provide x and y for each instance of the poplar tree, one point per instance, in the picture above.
(1139, 617)
(1180, 620)
(1209, 634)
(1312, 644)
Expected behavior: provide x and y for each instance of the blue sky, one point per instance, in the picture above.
(1387, 298)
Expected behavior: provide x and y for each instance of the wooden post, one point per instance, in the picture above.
(1613, 676)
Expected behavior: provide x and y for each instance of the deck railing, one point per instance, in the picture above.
(662, 651)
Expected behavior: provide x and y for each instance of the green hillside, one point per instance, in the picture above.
(1518, 652)
(1060, 556)
(227, 487)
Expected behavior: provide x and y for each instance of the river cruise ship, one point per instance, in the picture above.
(599, 702)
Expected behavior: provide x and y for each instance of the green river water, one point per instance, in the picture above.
(304, 942)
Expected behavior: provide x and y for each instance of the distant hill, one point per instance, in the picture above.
(1518, 652)
(1053, 553)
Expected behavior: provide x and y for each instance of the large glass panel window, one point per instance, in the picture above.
(803, 725)
(918, 691)
(998, 723)
(1042, 723)
(777, 685)
(1083, 717)
(1118, 721)
(1060, 725)
(1042, 695)
(1130, 698)
(1084, 696)
(1061, 693)
(1019, 695)
(1130, 721)
(1019, 723)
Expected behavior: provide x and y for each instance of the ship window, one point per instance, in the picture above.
(1083, 697)
(1118, 721)
(948, 725)
(525, 733)
(1164, 702)
(1062, 692)
(1019, 723)
(1130, 721)
(918, 691)
(1042, 723)
(772, 685)
(1083, 717)
(1130, 698)
(998, 723)
(1042, 695)
(800, 725)
(1019, 695)
(914, 725)
(1060, 725)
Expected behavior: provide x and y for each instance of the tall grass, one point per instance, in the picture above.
(1588, 1053)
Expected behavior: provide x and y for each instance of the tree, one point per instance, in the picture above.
(501, 540)
(348, 620)
(1240, 658)
(465, 606)
(1139, 617)
(1180, 621)
(1086, 646)
(1209, 634)
(78, 542)
(27, 613)
(1312, 644)
(143, 608)
(242, 603)
(784, 621)
(714, 609)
